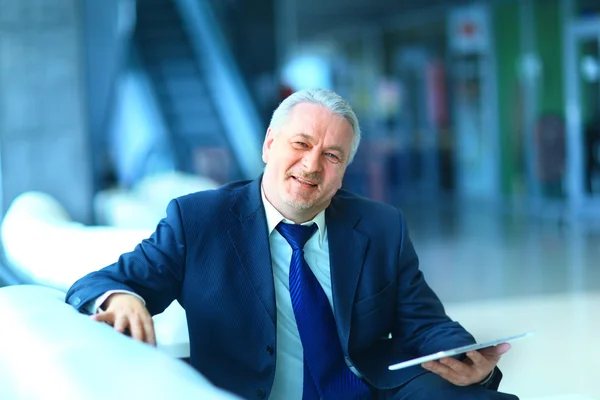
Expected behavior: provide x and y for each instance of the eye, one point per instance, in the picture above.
(300, 144)
(332, 157)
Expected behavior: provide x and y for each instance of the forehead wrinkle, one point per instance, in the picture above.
(305, 136)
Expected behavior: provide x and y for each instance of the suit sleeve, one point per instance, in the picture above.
(422, 326)
(154, 269)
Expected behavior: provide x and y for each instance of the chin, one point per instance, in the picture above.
(298, 205)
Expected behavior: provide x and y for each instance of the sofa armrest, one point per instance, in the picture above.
(49, 350)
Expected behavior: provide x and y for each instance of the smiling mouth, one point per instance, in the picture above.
(305, 182)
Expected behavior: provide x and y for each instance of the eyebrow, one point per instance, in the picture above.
(310, 139)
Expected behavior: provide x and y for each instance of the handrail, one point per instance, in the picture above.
(230, 95)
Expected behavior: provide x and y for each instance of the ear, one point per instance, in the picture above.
(269, 137)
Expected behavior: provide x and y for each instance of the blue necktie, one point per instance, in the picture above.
(326, 375)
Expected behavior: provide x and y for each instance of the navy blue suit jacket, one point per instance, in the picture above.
(211, 253)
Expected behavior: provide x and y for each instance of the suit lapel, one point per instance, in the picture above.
(250, 239)
(347, 248)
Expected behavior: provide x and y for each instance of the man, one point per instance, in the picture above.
(276, 310)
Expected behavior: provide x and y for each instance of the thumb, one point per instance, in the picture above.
(103, 317)
(495, 351)
(502, 348)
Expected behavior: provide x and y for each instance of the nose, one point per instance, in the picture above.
(311, 161)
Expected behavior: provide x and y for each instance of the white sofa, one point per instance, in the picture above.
(142, 206)
(45, 246)
(50, 351)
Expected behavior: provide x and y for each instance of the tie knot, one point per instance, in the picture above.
(296, 235)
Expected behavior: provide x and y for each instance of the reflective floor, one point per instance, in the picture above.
(500, 274)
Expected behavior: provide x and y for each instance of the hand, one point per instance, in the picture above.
(474, 369)
(126, 312)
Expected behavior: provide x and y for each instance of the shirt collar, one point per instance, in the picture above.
(274, 217)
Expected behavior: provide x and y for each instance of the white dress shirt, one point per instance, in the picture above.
(289, 370)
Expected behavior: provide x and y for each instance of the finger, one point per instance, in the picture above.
(481, 362)
(503, 348)
(458, 366)
(103, 317)
(121, 324)
(495, 352)
(446, 372)
(484, 366)
(137, 330)
(149, 330)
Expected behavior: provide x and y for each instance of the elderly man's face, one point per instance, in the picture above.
(306, 161)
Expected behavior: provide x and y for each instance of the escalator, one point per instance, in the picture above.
(175, 60)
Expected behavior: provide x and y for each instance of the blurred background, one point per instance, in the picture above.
(494, 101)
(481, 120)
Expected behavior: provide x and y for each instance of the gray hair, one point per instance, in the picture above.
(322, 97)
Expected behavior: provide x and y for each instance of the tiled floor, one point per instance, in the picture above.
(501, 274)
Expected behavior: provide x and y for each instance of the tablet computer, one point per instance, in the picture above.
(458, 350)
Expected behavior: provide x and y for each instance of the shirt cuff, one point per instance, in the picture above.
(95, 306)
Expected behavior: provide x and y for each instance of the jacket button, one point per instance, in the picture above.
(76, 301)
(261, 393)
(270, 350)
